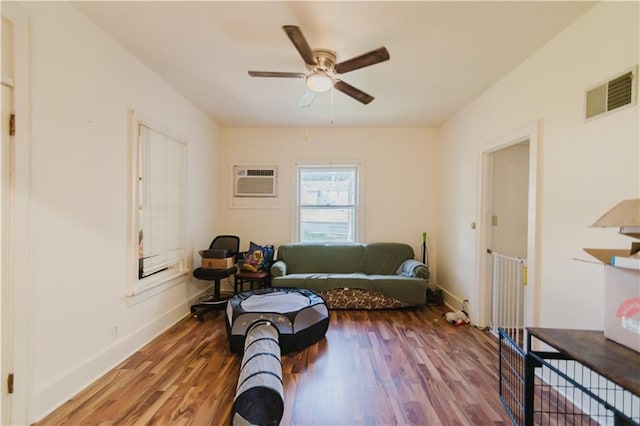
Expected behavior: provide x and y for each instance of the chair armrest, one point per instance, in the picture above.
(278, 269)
(414, 268)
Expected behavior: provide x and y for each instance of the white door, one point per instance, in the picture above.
(6, 294)
(14, 214)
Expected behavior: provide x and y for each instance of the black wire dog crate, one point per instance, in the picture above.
(588, 381)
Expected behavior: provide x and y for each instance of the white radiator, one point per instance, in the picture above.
(509, 276)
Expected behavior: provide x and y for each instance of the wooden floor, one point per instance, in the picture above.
(401, 367)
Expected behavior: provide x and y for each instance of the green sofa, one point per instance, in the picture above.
(341, 271)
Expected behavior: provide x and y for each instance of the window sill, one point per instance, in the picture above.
(156, 283)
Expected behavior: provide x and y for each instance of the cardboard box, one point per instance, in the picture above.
(622, 306)
(215, 253)
(621, 279)
(224, 263)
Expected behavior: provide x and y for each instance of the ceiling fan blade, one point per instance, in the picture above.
(375, 56)
(307, 98)
(277, 74)
(355, 93)
(300, 43)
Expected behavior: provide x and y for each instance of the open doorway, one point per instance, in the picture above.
(508, 243)
(507, 237)
(509, 200)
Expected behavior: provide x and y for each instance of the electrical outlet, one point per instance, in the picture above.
(114, 331)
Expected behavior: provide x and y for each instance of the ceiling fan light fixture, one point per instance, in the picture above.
(319, 81)
(323, 70)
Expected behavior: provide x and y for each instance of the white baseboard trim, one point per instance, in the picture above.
(452, 301)
(57, 392)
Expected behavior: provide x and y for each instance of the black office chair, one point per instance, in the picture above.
(231, 244)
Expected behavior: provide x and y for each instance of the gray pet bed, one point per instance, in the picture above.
(300, 316)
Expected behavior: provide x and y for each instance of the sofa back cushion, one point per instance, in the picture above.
(385, 258)
(304, 258)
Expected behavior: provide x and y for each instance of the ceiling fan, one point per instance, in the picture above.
(323, 69)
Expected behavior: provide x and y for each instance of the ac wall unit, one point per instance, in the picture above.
(618, 92)
(255, 181)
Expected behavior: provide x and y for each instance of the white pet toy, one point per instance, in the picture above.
(457, 317)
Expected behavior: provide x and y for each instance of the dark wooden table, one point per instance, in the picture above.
(612, 360)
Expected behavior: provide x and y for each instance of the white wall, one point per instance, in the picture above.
(83, 82)
(587, 167)
(399, 184)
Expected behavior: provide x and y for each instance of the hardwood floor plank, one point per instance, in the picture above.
(396, 367)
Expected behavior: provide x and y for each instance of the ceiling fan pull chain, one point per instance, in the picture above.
(331, 109)
(306, 124)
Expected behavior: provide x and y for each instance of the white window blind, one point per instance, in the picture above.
(161, 201)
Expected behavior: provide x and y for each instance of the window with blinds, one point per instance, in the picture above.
(161, 183)
(327, 203)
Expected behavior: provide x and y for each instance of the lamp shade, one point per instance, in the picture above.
(319, 81)
(625, 213)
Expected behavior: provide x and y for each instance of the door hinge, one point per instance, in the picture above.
(12, 125)
(10, 383)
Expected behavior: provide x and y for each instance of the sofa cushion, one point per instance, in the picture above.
(313, 282)
(385, 258)
(302, 258)
(406, 289)
(355, 280)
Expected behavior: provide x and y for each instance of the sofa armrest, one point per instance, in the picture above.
(278, 269)
(414, 268)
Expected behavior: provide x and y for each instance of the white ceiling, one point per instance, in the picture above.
(443, 54)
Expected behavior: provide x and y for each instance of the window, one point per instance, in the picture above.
(328, 203)
(158, 197)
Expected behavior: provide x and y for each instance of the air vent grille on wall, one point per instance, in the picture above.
(619, 91)
(255, 181)
(616, 93)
